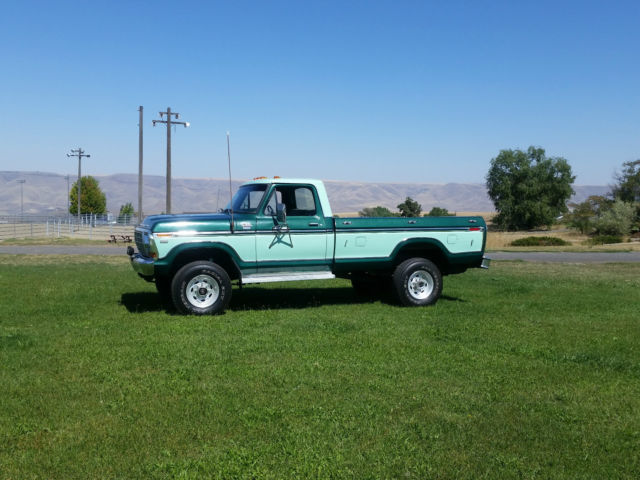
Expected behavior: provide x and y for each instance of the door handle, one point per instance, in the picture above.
(314, 224)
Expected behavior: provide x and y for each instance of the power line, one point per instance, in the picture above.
(169, 122)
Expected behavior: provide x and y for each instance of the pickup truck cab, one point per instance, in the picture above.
(279, 229)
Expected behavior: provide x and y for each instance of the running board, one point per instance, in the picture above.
(286, 277)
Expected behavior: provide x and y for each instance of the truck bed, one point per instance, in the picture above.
(409, 223)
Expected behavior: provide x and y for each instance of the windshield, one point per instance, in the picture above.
(247, 198)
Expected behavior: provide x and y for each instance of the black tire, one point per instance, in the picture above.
(201, 288)
(417, 282)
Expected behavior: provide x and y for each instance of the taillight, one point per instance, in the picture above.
(475, 229)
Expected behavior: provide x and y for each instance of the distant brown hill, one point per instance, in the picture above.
(46, 193)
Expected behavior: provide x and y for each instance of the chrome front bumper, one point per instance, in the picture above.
(142, 265)
(486, 261)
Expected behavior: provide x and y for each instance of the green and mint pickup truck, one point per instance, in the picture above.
(277, 230)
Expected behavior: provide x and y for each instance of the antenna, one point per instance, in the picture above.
(230, 192)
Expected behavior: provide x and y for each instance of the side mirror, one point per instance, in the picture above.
(281, 214)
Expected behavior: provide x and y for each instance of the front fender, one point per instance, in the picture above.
(187, 252)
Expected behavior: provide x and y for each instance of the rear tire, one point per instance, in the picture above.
(417, 282)
(201, 288)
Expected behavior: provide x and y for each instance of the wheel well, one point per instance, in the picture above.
(215, 255)
(430, 252)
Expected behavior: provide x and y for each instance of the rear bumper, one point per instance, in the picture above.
(144, 266)
(486, 261)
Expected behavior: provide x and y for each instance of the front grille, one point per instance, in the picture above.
(142, 242)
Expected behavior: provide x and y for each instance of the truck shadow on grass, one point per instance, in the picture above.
(256, 298)
(142, 302)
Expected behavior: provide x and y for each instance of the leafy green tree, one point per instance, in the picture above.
(628, 187)
(409, 208)
(377, 212)
(528, 188)
(438, 212)
(616, 220)
(585, 214)
(127, 209)
(93, 199)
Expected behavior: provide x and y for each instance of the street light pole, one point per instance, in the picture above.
(68, 201)
(169, 122)
(140, 166)
(21, 182)
(79, 153)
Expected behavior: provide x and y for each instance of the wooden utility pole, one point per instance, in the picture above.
(169, 122)
(78, 153)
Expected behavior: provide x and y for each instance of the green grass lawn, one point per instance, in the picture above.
(521, 371)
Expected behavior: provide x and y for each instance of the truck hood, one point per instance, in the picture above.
(199, 222)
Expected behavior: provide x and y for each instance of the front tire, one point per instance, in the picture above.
(417, 282)
(201, 288)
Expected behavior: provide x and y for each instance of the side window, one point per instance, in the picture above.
(305, 204)
(299, 201)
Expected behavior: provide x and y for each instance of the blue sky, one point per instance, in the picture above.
(407, 91)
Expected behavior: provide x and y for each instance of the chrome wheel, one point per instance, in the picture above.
(202, 291)
(420, 284)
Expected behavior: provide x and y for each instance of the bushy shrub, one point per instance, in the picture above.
(539, 242)
(439, 212)
(617, 220)
(583, 215)
(378, 211)
(604, 239)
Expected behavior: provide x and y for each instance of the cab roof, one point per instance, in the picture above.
(308, 181)
(318, 184)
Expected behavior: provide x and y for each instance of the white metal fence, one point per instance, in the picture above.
(93, 227)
